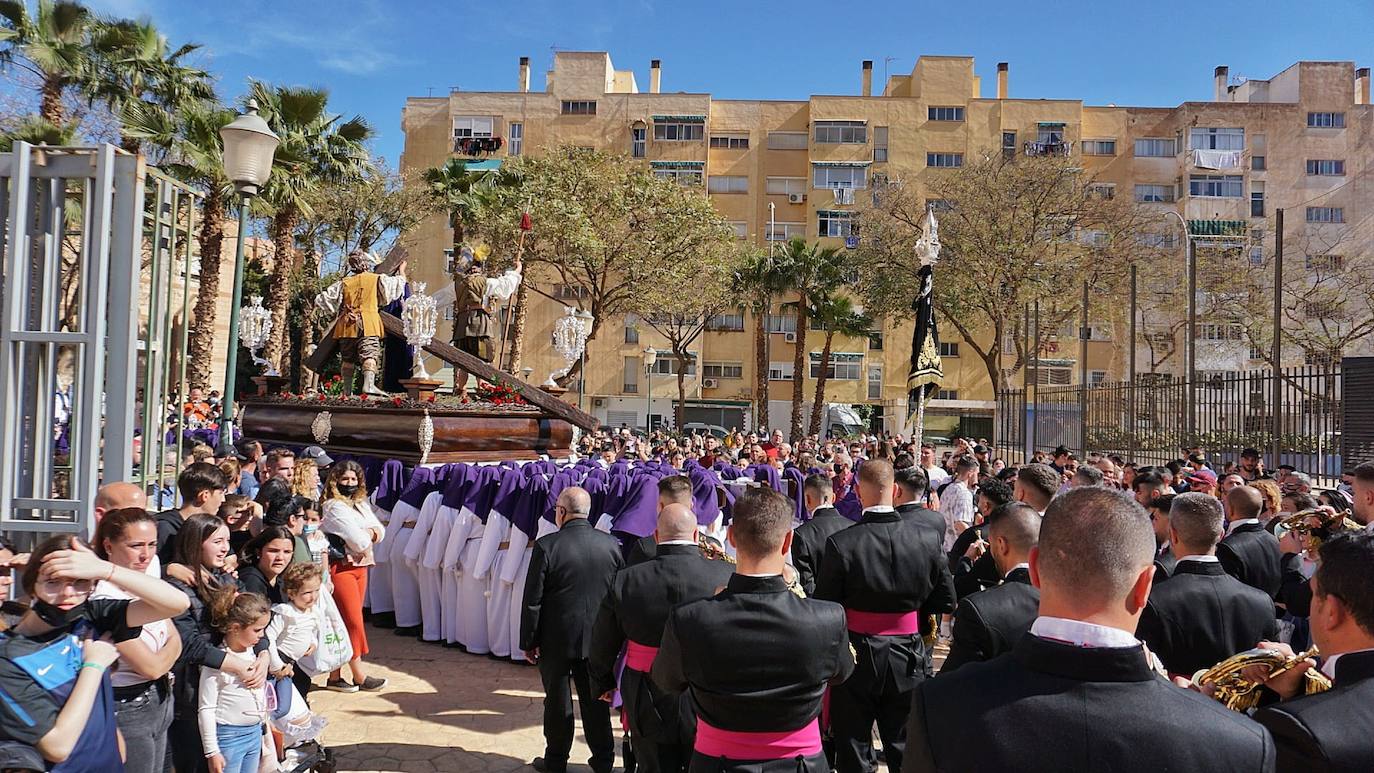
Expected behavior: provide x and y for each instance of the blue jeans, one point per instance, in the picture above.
(241, 746)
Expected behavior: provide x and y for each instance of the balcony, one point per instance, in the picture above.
(1060, 148)
(477, 146)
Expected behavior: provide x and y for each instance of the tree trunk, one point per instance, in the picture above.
(51, 108)
(760, 370)
(820, 384)
(680, 410)
(517, 333)
(798, 374)
(279, 288)
(211, 239)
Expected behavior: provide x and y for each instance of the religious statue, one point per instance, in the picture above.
(472, 322)
(354, 301)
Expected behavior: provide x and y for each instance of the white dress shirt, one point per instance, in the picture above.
(1329, 665)
(1081, 634)
(1201, 559)
(1233, 525)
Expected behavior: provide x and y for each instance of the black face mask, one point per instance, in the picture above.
(347, 491)
(56, 616)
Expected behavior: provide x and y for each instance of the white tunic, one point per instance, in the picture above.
(427, 581)
(472, 593)
(495, 545)
(515, 564)
(379, 576)
(405, 587)
(432, 573)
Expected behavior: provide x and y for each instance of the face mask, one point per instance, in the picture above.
(347, 491)
(57, 616)
(310, 528)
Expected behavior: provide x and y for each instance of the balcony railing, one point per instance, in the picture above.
(1061, 148)
(477, 146)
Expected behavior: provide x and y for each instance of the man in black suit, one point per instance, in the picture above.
(888, 572)
(808, 539)
(633, 615)
(1165, 558)
(1202, 615)
(674, 489)
(1331, 731)
(755, 657)
(989, 622)
(570, 573)
(973, 569)
(909, 498)
(1248, 552)
(1071, 694)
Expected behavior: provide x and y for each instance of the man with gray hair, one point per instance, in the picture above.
(1072, 692)
(1202, 615)
(1086, 475)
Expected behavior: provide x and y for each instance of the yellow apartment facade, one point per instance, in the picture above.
(782, 168)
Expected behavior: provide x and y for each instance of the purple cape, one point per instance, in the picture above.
(390, 484)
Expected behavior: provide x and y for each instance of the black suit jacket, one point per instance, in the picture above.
(924, 516)
(1057, 707)
(989, 622)
(1330, 732)
(1164, 564)
(1251, 554)
(1295, 592)
(970, 575)
(808, 543)
(1203, 616)
(570, 572)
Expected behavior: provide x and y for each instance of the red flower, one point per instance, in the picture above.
(396, 401)
(431, 398)
(362, 396)
(320, 397)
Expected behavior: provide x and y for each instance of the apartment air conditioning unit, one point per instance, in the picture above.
(790, 338)
(598, 402)
(796, 198)
(709, 383)
(844, 195)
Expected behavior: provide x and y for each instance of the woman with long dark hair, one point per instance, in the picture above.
(263, 560)
(348, 517)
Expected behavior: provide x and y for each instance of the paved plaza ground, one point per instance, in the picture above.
(443, 710)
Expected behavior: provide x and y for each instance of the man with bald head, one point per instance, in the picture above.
(1073, 690)
(1248, 552)
(117, 496)
(570, 572)
(632, 616)
(989, 622)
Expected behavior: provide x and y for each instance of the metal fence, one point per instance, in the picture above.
(1154, 419)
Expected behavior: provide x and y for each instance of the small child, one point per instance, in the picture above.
(294, 629)
(318, 542)
(231, 715)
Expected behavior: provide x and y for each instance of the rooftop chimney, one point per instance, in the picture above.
(655, 72)
(1001, 80)
(1221, 76)
(868, 78)
(524, 73)
(1362, 86)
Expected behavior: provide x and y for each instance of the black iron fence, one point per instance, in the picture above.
(1296, 414)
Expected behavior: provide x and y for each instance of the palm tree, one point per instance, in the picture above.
(461, 191)
(53, 45)
(812, 272)
(315, 145)
(194, 154)
(837, 316)
(758, 281)
(36, 131)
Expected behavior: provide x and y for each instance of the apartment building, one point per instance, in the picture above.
(782, 168)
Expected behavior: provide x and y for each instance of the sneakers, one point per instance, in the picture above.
(339, 685)
(372, 684)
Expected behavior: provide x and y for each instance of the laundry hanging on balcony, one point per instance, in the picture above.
(1216, 159)
(476, 146)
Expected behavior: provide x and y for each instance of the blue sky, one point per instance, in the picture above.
(372, 54)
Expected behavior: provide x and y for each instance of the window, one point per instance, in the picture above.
(1154, 193)
(1257, 163)
(638, 140)
(1326, 214)
(787, 140)
(949, 349)
(579, 107)
(1256, 199)
(784, 186)
(1103, 190)
(1216, 139)
(1326, 120)
(1161, 241)
(839, 176)
(780, 323)
(780, 371)
(1097, 377)
(682, 175)
(473, 126)
(880, 144)
(1216, 186)
(726, 322)
(875, 341)
(570, 292)
(1050, 134)
(1047, 376)
(722, 370)
(1257, 256)
(1324, 262)
(1321, 358)
(1009, 145)
(1155, 148)
(847, 132)
(517, 139)
(678, 131)
(945, 113)
(836, 224)
(1102, 331)
(945, 160)
(1095, 238)
(666, 364)
(940, 206)
(1099, 147)
(1214, 331)
(781, 232)
(630, 383)
(719, 183)
(948, 394)
(741, 229)
(842, 367)
(730, 141)
(631, 328)
(1325, 167)
(875, 382)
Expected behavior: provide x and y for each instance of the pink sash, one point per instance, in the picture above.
(640, 657)
(737, 745)
(882, 623)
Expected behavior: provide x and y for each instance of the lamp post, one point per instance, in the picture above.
(1190, 394)
(249, 146)
(650, 357)
(570, 340)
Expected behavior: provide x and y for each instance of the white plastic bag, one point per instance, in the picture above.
(332, 647)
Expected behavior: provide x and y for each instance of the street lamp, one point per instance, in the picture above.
(419, 318)
(249, 146)
(650, 357)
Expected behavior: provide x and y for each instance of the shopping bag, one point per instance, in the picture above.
(332, 647)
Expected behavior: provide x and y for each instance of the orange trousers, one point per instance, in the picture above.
(350, 588)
